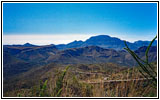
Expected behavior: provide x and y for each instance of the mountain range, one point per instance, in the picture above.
(98, 49)
(105, 41)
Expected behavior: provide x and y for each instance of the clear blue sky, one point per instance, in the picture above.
(124, 20)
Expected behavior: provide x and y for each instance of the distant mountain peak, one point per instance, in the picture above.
(105, 41)
(75, 41)
(101, 36)
(28, 44)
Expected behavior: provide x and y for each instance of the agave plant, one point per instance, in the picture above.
(42, 90)
(59, 83)
(146, 69)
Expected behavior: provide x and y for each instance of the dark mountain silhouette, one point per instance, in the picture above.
(105, 41)
(24, 45)
(95, 54)
(28, 45)
(74, 44)
(152, 53)
(30, 53)
(144, 43)
(18, 59)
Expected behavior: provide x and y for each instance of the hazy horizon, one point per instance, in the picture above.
(51, 39)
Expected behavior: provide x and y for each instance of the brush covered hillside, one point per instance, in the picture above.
(80, 80)
(17, 56)
(20, 58)
(96, 67)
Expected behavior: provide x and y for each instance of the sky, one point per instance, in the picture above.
(58, 23)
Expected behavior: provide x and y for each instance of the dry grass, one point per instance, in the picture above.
(93, 85)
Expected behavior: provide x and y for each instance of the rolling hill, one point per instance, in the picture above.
(18, 59)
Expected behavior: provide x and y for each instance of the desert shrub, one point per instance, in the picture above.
(76, 88)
